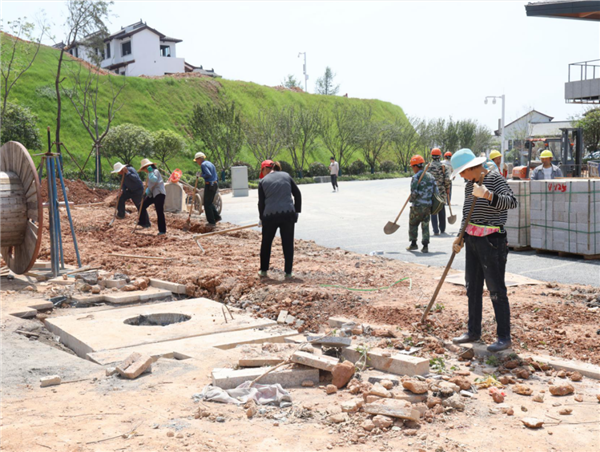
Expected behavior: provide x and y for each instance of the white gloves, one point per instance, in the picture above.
(480, 191)
(458, 245)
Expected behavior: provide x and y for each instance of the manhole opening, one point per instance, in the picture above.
(157, 319)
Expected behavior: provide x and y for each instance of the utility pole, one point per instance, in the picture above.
(305, 73)
(501, 125)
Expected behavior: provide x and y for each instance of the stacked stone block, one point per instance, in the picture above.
(518, 223)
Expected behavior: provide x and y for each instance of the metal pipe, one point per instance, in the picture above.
(53, 249)
(57, 226)
(62, 183)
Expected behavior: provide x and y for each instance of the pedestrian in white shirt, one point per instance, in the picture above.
(334, 169)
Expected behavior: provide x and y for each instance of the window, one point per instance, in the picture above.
(108, 50)
(126, 48)
(165, 51)
(75, 52)
(99, 52)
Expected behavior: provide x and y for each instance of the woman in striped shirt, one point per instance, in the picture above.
(486, 244)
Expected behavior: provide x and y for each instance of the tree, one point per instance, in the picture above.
(166, 145)
(405, 140)
(20, 124)
(481, 140)
(325, 84)
(264, 135)
(127, 141)
(84, 96)
(18, 56)
(219, 127)
(84, 18)
(300, 128)
(590, 123)
(290, 82)
(338, 132)
(372, 137)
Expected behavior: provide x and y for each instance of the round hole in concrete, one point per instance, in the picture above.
(162, 319)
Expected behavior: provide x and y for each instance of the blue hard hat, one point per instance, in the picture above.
(464, 159)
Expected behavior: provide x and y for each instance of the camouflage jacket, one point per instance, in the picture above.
(441, 173)
(421, 193)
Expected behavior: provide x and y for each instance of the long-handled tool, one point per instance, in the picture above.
(118, 199)
(186, 227)
(141, 207)
(449, 265)
(451, 218)
(224, 231)
(390, 227)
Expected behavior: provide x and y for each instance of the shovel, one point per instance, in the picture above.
(141, 206)
(117, 206)
(451, 218)
(449, 265)
(186, 227)
(390, 227)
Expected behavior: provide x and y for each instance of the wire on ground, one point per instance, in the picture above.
(369, 290)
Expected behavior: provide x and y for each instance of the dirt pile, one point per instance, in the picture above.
(77, 192)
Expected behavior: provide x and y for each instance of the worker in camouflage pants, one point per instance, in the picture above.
(422, 188)
(441, 175)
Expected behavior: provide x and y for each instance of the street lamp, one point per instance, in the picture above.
(304, 70)
(502, 125)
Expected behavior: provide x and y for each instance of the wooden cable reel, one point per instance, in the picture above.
(21, 209)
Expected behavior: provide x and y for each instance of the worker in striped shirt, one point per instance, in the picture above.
(486, 245)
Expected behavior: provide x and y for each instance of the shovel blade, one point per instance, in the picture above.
(390, 228)
(452, 219)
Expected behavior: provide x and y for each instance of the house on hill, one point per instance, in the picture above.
(135, 50)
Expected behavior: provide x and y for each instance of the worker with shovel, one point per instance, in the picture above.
(486, 244)
(132, 187)
(155, 194)
(422, 188)
(211, 186)
(441, 175)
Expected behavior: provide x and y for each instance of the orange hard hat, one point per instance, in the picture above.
(436, 151)
(448, 154)
(417, 160)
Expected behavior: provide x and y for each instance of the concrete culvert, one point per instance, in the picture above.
(157, 319)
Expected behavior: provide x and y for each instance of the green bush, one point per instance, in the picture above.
(127, 141)
(387, 166)
(19, 124)
(357, 167)
(318, 169)
(167, 145)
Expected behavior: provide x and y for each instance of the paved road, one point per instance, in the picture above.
(353, 219)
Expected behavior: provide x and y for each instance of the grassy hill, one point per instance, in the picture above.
(160, 103)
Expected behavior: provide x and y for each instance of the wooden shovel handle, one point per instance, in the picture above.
(193, 200)
(224, 231)
(141, 207)
(119, 198)
(408, 199)
(449, 265)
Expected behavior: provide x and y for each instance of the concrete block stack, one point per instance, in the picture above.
(518, 222)
(565, 216)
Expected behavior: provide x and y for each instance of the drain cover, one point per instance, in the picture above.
(157, 319)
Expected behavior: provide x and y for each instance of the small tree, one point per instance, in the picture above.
(127, 141)
(264, 135)
(17, 54)
(20, 124)
(405, 140)
(219, 127)
(325, 84)
(372, 137)
(338, 132)
(167, 145)
(590, 123)
(300, 128)
(290, 82)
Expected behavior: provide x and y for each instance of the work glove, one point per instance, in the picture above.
(198, 174)
(480, 191)
(458, 245)
(148, 192)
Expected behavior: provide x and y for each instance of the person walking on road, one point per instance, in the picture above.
(547, 170)
(442, 178)
(133, 188)
(155, 194)
(211, 186)
(277, 210)
(486, 245)
(334, 170)
(421, 194)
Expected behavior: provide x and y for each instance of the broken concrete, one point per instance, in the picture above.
(393, 408)
(330, 341)
(287, 378)
(52, 380)
(319, 362)
(167, 285)
(135, 365)
(397, 364)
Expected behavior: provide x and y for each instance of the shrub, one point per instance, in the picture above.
(357, 167)
(253, 173)
(20, 124)
(166, 145)
(128, 141)
(318, 169)
(387, 166)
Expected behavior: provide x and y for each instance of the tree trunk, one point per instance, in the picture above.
(58, 101)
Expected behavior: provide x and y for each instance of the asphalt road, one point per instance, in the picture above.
(353, 219)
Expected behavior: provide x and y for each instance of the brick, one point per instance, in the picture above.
(229, 378)
(398, 364)
(135, 365)
(167, 285)
(319, 362)
(393, 408)
(52, 380)
(282, 316)
(118, 283)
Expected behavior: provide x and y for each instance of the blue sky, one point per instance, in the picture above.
(434, 59)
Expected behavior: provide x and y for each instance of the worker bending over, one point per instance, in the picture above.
(421, 194)
(132, 188)
(547, 170)
(486, 245)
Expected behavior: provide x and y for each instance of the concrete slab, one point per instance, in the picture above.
(585, 369)
(337, 322)
(398, 364)
(167, 285)
(87, 300)
(288, 378)
(193, 347)
(151, 293)
(318, 362)
(25, 307)
(107, 330)
(330, 341)
(261, 361)
(59, 281)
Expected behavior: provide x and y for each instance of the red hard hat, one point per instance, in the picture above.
(436, 151)
(417, 160)
(448, 154)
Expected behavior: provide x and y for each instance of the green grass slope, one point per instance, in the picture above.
(162, 103)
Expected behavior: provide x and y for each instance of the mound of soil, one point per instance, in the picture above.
(77, 192)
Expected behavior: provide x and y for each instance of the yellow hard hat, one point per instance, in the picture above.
(546, 154)
(494, 154)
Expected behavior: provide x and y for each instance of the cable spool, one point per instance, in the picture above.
(21, 209)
